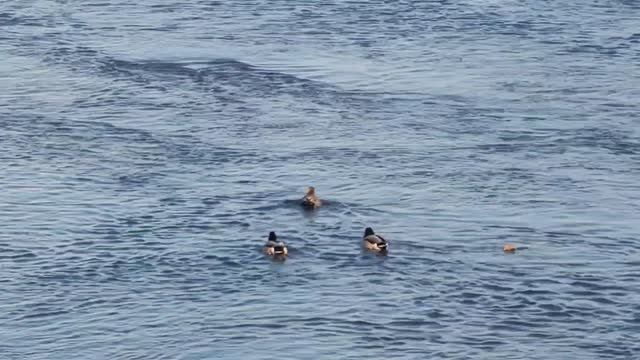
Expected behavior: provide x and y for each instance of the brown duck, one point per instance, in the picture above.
(311, 200)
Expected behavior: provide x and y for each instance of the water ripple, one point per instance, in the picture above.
(148, 148)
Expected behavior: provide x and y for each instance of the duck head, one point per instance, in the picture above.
(311, 191)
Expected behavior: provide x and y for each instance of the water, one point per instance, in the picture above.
(148, 147)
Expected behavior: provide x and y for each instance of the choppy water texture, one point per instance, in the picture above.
(148, 147)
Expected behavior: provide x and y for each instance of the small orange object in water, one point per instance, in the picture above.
(509, 248)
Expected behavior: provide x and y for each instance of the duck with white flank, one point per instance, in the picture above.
(374, 242)
(275, 248)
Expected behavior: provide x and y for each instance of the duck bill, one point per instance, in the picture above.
(382, 247)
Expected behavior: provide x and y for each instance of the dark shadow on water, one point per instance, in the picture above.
(366, 254)
(327, 206)
(277, 258)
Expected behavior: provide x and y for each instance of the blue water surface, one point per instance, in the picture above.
(148, 147)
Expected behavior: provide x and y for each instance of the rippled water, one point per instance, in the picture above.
(148, 147)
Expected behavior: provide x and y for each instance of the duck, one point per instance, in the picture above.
(273, 247)
(374, 242)
(311, 200)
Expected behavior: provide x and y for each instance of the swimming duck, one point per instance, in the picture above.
(275, 248)
(310, 200)
(374, 242)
